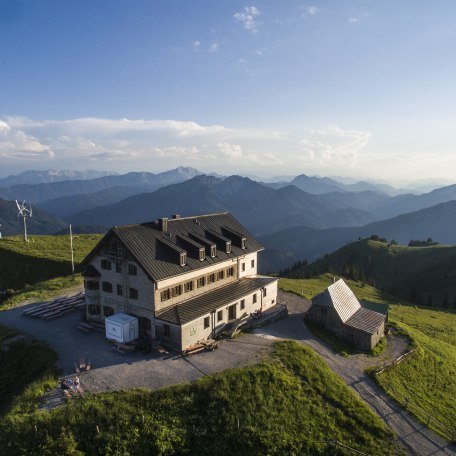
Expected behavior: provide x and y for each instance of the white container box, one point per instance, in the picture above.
(122, 328)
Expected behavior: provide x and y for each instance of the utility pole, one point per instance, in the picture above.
(71, 247)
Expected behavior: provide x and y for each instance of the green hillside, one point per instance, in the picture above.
(422, 275)
(425, 380)
(41, 267)
(290, 403)
(41, 222)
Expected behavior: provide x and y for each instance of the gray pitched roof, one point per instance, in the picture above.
(339, 297)
(366, 320)
(209, 302)
(158, 259)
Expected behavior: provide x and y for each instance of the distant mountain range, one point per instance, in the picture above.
(38, 193)
(321, 185)
(262, 209)
(299, 243)
(50, 175)
(307, 217)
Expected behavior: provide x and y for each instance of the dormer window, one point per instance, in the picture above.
(183, 258)
(213, 251)
(228, 246)
(202, 255)
(243, 246)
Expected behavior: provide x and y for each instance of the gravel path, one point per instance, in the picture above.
(414, 436)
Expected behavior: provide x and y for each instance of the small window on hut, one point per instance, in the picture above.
(93, 309)
(165, 295)
(107, 287)
(92, 285)
(108, 311)
(133, 294)
(106, 264)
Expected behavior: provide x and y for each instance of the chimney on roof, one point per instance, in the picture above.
(163, 224)
(175, 216)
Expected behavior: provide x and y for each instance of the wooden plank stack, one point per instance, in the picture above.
(57, 308)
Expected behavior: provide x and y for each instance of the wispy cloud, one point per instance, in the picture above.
(333, 145)
(310, 11)
(248, 17)
(214, 47)
(68, 142)
(196, 45)
(359, 18)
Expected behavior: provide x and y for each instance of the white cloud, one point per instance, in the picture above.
(230, 150)
(214, 47)
(17, 145)
(248, 18)
(310, 11)
(196, 45)
(333, 145)
(72, 142)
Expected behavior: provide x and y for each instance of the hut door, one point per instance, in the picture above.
(232, 312)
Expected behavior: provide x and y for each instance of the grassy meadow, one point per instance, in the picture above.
(422, 275)
(427, 377)
(290, 403)
(40, 268)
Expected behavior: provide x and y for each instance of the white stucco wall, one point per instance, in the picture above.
(194, 331)
(141, 307)
(247, 261)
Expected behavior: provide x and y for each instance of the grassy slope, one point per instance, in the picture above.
(412, 273)
(427, 376)
(290, 403)
(27, 371)
(42, 267)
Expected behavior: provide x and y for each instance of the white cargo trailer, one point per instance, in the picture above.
(122, 328)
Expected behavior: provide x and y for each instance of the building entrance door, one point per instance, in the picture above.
(232, 312)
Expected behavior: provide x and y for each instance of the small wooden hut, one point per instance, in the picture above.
(338, 310)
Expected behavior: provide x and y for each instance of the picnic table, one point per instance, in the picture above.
(82, 365)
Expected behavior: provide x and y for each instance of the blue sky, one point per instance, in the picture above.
(355, 88)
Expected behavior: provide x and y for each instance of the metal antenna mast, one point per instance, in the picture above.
(24, 212)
